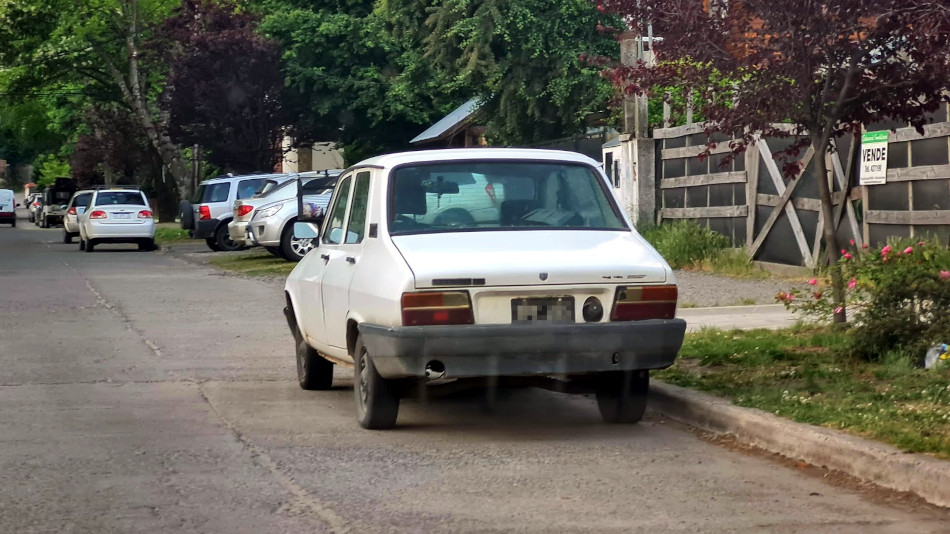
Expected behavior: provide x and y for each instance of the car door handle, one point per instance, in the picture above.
(351, 259)
(325, 257)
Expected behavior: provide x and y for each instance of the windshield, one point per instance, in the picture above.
(119, 197)
(499, 195)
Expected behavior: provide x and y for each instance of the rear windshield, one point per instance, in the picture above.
(82, 201)
(319, 186)
(212, 193)
(107, 198)
(250, 187)
(500, 195)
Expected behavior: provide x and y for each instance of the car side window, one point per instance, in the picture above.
(356, 226)
(217, 192)
(333, 233)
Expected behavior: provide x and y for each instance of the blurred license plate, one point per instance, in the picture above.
(123, 215)
(543, 310)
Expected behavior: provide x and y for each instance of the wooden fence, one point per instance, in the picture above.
(780, 221)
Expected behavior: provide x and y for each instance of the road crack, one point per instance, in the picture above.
(124, 317)
(326, 514)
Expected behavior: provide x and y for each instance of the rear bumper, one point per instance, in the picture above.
(120, 232)
(238, 231)
(524, 350)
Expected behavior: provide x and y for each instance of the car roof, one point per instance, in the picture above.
(221, 179)
(462, 154)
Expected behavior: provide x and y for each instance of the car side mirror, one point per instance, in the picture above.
(306, 230)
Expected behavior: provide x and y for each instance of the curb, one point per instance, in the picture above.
(868, 460)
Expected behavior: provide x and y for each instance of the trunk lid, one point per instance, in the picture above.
(527, 258)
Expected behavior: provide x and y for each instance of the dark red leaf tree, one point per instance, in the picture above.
(224, 87)
(822, 67)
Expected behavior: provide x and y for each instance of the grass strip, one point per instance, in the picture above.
(804, 374)
(255, 264)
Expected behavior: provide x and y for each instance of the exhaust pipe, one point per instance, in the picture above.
(435, 370)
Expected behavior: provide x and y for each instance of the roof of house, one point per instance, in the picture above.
(448, 125)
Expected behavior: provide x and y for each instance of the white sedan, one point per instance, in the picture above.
(555, 289)
(117, 216)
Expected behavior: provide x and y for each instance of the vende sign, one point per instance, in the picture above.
(874, 158)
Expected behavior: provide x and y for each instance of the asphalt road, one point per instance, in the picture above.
(143, 393)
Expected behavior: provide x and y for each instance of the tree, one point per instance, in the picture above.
(520, 58)
(224, 87)
(823, 67)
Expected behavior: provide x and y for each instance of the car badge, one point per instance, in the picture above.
(543, 276)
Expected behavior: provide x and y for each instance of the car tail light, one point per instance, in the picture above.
(636, 303)
(71, 211)
(204, 213)
(436, 307)
(98, 214)
(244, 210)
(145, 214)
(490, 189)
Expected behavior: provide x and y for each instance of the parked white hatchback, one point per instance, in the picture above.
(556, 290)
(117, 216)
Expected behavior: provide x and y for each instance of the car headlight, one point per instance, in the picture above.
(267, 212)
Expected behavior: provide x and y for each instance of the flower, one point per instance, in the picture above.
(864, 245)
(908, 250)
(920, 243)
(781, 296)
(817, 294)
(813, 281)
(945, 275)
(851, 283)
(843, 251)
(851, 241)
(886, 249)
(847, 256)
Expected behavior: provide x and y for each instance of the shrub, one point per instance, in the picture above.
(898, 297)
(684, 243)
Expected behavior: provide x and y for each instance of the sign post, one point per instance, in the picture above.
(874, 158)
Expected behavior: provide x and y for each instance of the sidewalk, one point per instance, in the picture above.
(771, 316)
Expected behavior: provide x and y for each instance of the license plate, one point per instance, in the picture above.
(543, 310)
(123, 215)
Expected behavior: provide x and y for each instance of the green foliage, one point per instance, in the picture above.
(899, 296)
(684, 243)
(807, 374)
(50, 167)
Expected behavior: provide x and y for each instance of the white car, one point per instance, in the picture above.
(117, 216)
(558, 290)
(77, 206)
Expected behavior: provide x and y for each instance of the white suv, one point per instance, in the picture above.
(555, 288)
(117, 216)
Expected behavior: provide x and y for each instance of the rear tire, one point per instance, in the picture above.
(147, 245)
(212, 244)
(314, 373)
(13, 224)
(90, 246)
(186, 216)
(223, 239)
(622, 395)
(377, 403)
(82, 244)
(44, 223)
(67, 237)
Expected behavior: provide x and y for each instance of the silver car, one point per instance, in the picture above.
(244, 209)
(272, 225)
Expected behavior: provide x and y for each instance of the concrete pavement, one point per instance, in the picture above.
(140, 393)
(771, 316)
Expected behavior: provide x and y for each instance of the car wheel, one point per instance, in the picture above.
(90, 245)
(212, 244)
(223, 239)
(82, 244)
(294, 249)
(147, 245)
(30, 217)
(377, 404)
(313, 371)
(275, 251)
(622, 396)
(44, 223)
(67, 237)
(13, 224)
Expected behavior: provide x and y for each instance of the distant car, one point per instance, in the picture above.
(76, 207)
(244, 209)
(117, 216)
(35, 205)
(272, 225)
(556, 289)
(7, 207)
(207, 215)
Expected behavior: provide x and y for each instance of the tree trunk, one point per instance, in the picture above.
(820, 143)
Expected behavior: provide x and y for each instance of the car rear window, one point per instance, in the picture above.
(82, 201)
(213, 192)
(250, 187)
(108, 198)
